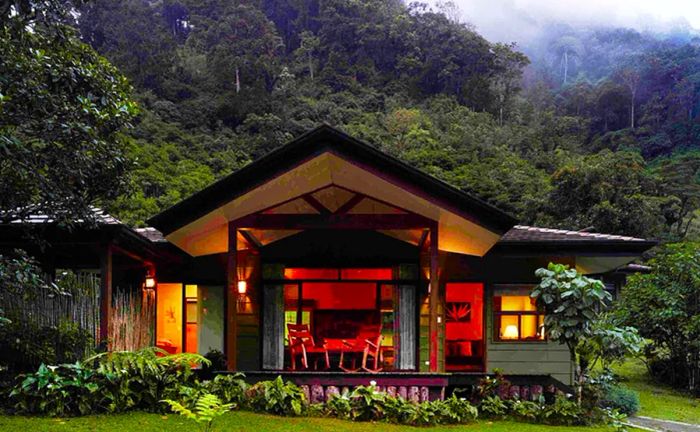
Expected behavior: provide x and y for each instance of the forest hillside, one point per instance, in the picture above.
(585, 128)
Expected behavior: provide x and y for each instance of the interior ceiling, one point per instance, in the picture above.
(328, 182)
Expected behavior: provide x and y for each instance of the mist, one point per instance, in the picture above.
(523, 20)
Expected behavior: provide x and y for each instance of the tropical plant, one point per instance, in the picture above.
(493, 407)
(563, 411)
(367, 403)
(572, 303)
(207, 408)
(276, 397)
(58, 391)
(229, 388)
(143, 378)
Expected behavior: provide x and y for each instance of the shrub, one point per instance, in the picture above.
(526, 410)
(459, 410)
(338, 406)
(57, 391)
(563, 412)
(276, 397)
(141, 379)
(622, 399)
(367, 403)
(229, 388)
(493, 407)
(217, 362)
(24, 346)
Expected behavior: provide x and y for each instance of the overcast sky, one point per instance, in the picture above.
(518, 20)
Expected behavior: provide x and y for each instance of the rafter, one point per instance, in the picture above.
(316, 204)
(350, 204)
(250, 238)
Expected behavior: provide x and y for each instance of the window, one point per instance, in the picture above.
(516, 318)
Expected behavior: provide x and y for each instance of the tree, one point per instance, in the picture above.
(664, 306)
(569, 50)
(63, 109)
(572, 304)
(631, 79)
(509, 65)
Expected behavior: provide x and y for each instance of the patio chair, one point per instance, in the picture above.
(373, 350)
(301, 343)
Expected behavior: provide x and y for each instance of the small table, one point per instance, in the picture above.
(343, 346)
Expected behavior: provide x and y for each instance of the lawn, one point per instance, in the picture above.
(657, 400)
(245, 421)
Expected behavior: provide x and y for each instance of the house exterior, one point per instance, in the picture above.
(329, 235)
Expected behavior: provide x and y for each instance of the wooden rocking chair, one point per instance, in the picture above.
(301, 343)
(373, 349)
(367, 337)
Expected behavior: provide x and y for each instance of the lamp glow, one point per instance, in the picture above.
(150, 282)
(242, 287)
(511, 332)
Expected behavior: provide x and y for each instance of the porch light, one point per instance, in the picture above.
(242, 287)
(149, 282)
(511, 332)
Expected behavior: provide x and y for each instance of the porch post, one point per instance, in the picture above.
(105, 293)
(231, 298)
(434, 299)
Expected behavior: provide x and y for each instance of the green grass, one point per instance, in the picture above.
(657, 400)
(245, 421)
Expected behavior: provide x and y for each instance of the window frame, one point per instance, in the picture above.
(514, 290)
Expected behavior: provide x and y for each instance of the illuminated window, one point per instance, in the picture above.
(517, 319)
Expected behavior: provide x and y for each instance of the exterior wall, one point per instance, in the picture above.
(525, 358)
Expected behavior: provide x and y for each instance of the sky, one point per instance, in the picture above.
(519, 20)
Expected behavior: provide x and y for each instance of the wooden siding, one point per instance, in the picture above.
(525, 358)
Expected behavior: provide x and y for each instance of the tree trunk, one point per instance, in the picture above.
(632, 111)
(566, 66)
(311, 67)
(238, 81)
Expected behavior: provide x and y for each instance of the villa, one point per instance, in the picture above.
(333, 263)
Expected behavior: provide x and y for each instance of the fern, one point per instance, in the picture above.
(206, 410)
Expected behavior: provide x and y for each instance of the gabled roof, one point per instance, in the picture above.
(523, 238)
(319, 140)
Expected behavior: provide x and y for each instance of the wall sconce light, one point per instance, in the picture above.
(150, 282)
(242, 287)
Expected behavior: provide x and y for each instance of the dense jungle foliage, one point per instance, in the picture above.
(600, 131)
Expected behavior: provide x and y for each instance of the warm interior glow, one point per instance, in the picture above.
(511, 332)
(242, 287)
(337, 311)
(527, 325)
(464, 326)
(169, 317)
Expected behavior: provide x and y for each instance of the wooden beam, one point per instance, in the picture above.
(333, 221)
(105, 293)
(423, 239)
(250, 238)
(316, 204)
(434, 299)
(231, 328)
(350, 204)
